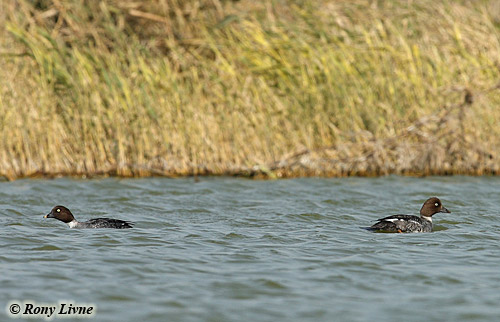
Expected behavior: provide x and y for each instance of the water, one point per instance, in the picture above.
(227, 249)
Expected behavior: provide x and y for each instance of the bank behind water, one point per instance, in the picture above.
(249, 88)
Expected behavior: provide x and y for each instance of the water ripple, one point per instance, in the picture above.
(226, 249)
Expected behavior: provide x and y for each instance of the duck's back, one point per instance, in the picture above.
(104, 223)
(402, 223)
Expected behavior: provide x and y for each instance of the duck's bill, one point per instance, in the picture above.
(48, 216)
(445, 210)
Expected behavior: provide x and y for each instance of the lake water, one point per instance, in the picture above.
(226, 249)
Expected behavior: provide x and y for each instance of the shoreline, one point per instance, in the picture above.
(255, 174)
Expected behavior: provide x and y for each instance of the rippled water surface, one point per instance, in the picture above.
(226, 249)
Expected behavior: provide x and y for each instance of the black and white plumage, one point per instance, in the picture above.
(410, 223)
(64, 214)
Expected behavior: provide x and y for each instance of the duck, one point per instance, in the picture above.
(64, 214)
(410, 223)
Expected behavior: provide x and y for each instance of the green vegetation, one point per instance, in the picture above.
(266, 88)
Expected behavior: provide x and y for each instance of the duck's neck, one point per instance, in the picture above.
(73, 223)
(429, 219)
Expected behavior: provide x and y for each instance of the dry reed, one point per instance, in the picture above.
(271, 89)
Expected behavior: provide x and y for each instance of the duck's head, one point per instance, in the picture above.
(62, 213)
(431, 207)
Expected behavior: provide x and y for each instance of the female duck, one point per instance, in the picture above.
(409, 223)
(63, 214)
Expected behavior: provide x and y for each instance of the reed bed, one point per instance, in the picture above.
(254, 88)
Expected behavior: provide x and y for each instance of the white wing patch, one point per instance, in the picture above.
(393, 219)
(401, 220)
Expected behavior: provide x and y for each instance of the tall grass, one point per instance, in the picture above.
(266, 88)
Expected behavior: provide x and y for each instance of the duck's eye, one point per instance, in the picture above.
(59, 209)
(436, 204)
